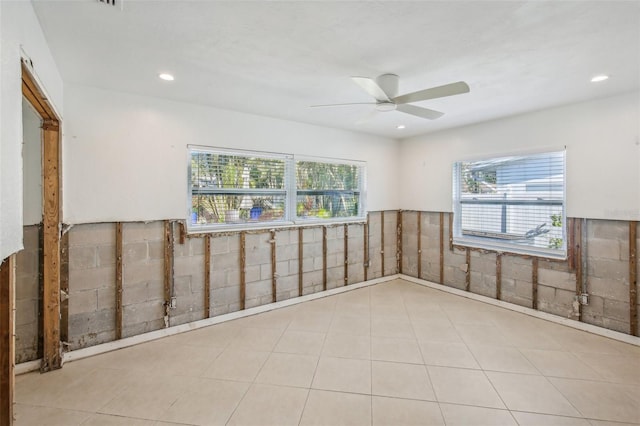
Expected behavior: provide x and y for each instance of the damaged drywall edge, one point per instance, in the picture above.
(593, 329)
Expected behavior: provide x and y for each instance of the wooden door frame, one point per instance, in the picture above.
(51, 215)
(7, 339)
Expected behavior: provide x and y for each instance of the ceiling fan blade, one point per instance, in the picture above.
(371, 87)
(429, 114)
(334, 105)
(432, 93)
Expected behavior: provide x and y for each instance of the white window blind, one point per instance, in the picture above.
(232, 189)
(514, 204)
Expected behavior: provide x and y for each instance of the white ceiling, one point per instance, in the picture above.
(278, 58)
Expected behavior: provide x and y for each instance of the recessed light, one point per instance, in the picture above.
(599, 78)
(166, 77)
(400, 126)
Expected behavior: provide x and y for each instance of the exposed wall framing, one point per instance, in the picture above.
(119, 279)
(633, 278)
(467, 279)
(534, 283)
(499, 276)
(577, 228)
(207, 276)
(168, 270)
(399, 242)
(64, 287)
(274, 272)
(243, 267)
(300, 261)
(419, 244)
(346, 254)
(382, 240)
(365, 245)
(7, 326)
(441, 248)
(324, 258)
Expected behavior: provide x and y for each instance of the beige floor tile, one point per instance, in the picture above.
(531, 393)
(614, 367)
(148, 397)
(436, 332)
(397, 350)
(237, 365)
(463, 415)
(390, 327)
(288, 370)
(270, 405)
(300, 342)
(405, 412)
(31, 415)
(199, 359)
(343, 345)
(401, 380)
(606, 423)
(387, 310)
(109, 420)
(581, 341)
(529, 336)
(560, 364)
(215, 336)
(502, 358)
(277, 319)
(312, 321)
(482, 335)
(359, 308)
(462, 315)
(357, 325)
(447, 354)
(43, 389)
(599, 400)
(93, 390)
(209, 402)
(255, 339)
(532, 419)
(462, 386)
(343, 374)
(325, 408)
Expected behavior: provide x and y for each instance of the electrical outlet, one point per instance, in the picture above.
(584, 299)
(173, 303)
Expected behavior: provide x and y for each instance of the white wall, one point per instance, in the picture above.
(603, 155)
(125, 156)
(19, 28)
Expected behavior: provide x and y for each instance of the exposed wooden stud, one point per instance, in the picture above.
(243, 264)
(168, 269)
(34, 95)
(420, 244)
(382, 239)
(51, 357)
(571, 253)
(182, 232)
(534, 283)
(300, 260)
(399, 242)
(41, 291)
(633, 278)
(498, 276)
(346, 254)
(7, 340)
(207, 276)
(324, 258)
(119, 280)
(578, 261)
(467, 278)
(365, 244)
(441, 247)
(64, 287)
(450, 231)
(274, 272)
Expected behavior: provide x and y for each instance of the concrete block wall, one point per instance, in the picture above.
(188, 281)
(91, 284)
(375, 245)
(607, 271)
(28, 297)
(225, 274)
(312, 260)
(356, 257)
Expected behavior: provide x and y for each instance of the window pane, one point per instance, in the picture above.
(210, 209)
(516, 201)
(327, 190)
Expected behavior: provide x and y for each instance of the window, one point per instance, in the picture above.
(513, 204)
(231, 189)
(328, 190)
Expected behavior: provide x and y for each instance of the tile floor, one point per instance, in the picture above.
(395, 354)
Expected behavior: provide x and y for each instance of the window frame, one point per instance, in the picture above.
(289, 191)
(506, 246)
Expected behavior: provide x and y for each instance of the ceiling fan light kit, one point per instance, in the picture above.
(384, 90)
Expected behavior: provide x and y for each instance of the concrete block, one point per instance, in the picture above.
(259, 256)
(615, 325)
(230, 260)
(142, 312)
(26, 312)
(83, 301)
(557, 279)
(88, 323)
(142, 232)
(219, 245)
(106, 298)
(85, 279)
(155, 250)
(609, 288)
(611, 269)
(135, 252)
(607, 229)
(26, 343)
(603, 248)
(282, 269)
(196, 246)
(83, 257)
(106, 255)
(265, 272)
(143, 272)
(134, 294)
(92, 234)
(617, 310)
(516, 268)
(27, 262)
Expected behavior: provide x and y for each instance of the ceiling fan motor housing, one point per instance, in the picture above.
(388, 83)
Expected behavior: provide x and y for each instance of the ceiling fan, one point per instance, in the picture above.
(384, 90)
